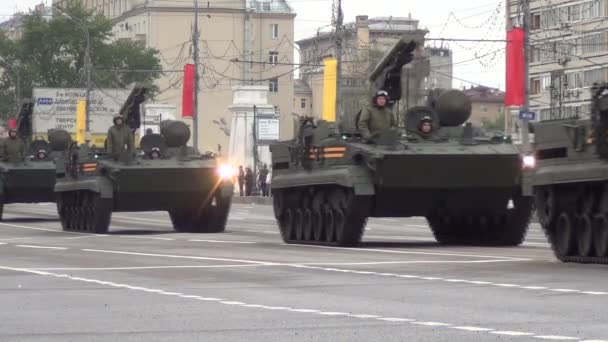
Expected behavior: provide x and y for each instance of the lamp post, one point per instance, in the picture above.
(87, 61)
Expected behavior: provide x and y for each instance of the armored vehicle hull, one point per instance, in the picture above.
(165, 175)
(469, 195)
(26, 182)
(570, 184)
(194, 193)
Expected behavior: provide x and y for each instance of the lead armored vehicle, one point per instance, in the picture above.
(165, 175)
(570, 182)
(31, 177)
(327, 182)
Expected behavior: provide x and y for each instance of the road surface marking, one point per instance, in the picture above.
(447, 280)
(41, 247)
(511, 333)
(224, 241)
(171, 256)
(139, 267)
(258, 306)
(145, 237)
(472, 328)
(557, 338)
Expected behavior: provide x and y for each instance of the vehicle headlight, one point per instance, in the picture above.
(226, 172)
(529, 162)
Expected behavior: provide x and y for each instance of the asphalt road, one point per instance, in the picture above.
(143, 282)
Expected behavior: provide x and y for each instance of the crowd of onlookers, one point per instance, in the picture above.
(246, 180)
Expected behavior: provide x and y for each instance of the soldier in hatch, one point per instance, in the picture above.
(377, 117)
(426, 126)
(120, 137)
(13, 148)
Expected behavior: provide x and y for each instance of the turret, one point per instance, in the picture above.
(453, 107)
(59, 140)
(599, 118)
(176, 133)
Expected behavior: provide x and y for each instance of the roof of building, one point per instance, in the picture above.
(485, 94)
(376, 25)
(275, 6)
(300, 86)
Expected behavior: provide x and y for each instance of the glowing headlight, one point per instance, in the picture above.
(226, 172)
(529, 162)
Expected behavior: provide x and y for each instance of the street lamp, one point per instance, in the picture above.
(87, 58)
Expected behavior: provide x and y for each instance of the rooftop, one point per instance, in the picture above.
(484, 94)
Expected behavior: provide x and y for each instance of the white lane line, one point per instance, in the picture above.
(447, 280)
(42, 247)
(171, 256)
(595, 341)
(556, 338)
(472, 328)
(39, 228)
(3, 243)
(511, 333)
(419, 252)
(139, 267)
(145, 237)
(258, 306)
(224, 241)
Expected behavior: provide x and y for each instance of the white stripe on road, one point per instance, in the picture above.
(171, 256)
(224, 241)
(139, 267)
(264, 307)
(556, 338)
(41, 247)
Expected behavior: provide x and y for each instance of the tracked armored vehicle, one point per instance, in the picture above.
(32, 178)
(570, 182)
(327, 182)
(165, 175)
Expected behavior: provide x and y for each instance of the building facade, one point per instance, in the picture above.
(488, 108)
(569, 52)
(242, 42)
(365, 43)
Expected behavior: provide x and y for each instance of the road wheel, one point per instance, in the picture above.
(298, 224)
(317, 225)
(102, 214)
(545, 203)
(584, 235)
(564, 239)
(329, 224)
(307, 225)
(600, 235)
(287, 229)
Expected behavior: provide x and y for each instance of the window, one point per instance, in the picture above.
(535, 25)
(273, 57)
(535, 86)
(303, 103)
(273, 85)
(274, 31)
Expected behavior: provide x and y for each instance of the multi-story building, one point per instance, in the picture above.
(569, 52)
(365, 42)
(241, 42)
(487, 107)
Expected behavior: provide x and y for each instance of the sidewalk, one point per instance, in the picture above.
(252, 200)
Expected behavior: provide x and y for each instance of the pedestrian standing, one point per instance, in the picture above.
(249, 180)
(241, 179)
(262, 180)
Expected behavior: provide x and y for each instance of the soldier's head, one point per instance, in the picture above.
(426, 125)
(12, 134)
(381, 98)
(118, 120)
(149, 131)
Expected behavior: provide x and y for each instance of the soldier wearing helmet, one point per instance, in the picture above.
(377, 117)
(13, 148)
(426, 126)
(120, 137)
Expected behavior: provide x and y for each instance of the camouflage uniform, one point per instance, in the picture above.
(13, 149)
(120, 138)
(376, 119)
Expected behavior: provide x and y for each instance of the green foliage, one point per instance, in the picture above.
(52, 53)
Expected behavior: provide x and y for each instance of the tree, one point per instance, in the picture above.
(52, 50)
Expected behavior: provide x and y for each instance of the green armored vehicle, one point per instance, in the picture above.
(27, 168)
(327, 182)
(570, 182)
(165, 175)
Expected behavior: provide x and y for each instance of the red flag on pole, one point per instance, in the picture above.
(515, 82)
(188, 91)
(12, 123)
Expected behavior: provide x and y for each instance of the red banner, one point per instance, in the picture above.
(515, 82)
(12, 123)
(188, 91)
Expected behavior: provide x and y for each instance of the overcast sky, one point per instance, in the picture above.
(473, 19)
